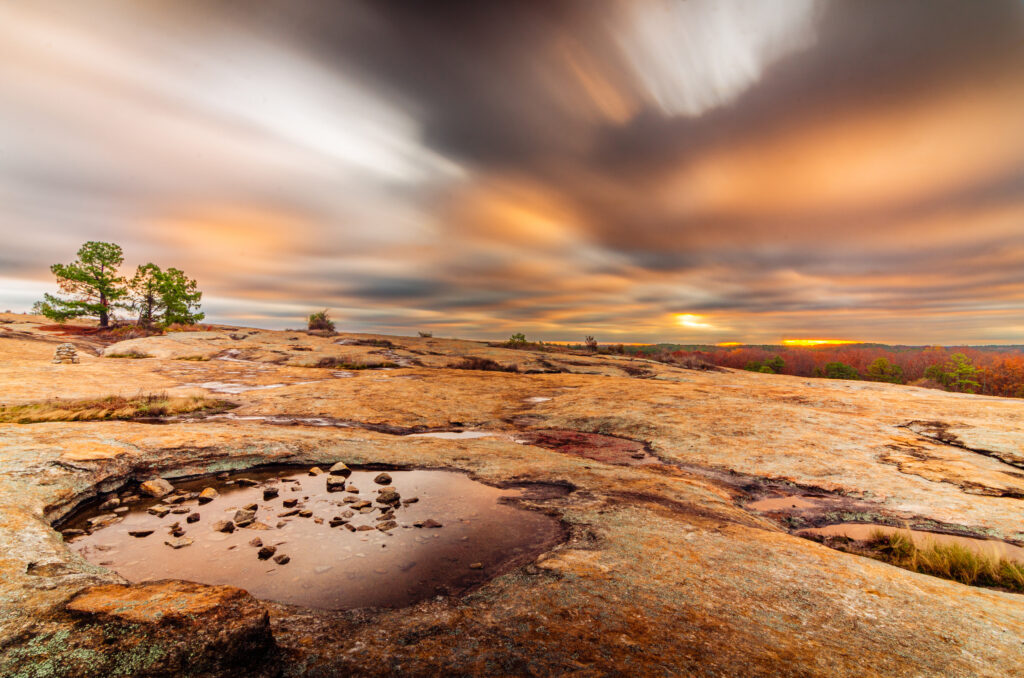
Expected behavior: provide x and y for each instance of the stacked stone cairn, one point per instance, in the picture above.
(65, 353)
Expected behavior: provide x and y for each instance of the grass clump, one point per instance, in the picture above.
(109, 407)
(320, 320)
(483, 364)
(342, 364)
(132, 354)
(949, 561)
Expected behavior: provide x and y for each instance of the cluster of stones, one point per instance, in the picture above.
(388, 501)
(65, 353)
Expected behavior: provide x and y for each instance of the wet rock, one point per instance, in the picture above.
(389, 496)
(383, 479)
(387, 525)
(159, 510)
(335, 484)
(364, 528)
(266, 551)
(192, 518)
(336, 521)
(140, 533)
(305, 513)
(121, 510)
(289, 503)
(157, 487)
(177, 532)
(247, 482)
(350, 500)
(350, 527)
(199, 630)
(251, 507)
(224, 475)
(256, 542)
(352, 488)
(181, 510)
(102, 520)
(130, 499)
(340, 469)
(316, 471)
(244, 517)
(110, 504)
(360, 504)
(429, 522)
(281, 559)
(208, 495)
(179, 542)
(269, 493)
(176, 499)
(224, 526)
(476, 566)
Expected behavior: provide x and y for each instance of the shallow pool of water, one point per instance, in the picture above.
(352, 564)
(865, 531)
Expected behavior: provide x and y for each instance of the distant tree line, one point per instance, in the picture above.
(988, 370)
(92, 287)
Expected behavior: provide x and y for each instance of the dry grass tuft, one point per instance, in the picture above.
(484, 364)
(109, 407)
(341, 364)
(132, 353)
(949, 561)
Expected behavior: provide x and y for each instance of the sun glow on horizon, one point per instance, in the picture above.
(818, 342)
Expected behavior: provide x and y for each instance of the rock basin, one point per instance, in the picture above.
(320, 551)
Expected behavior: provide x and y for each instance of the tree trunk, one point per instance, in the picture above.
(104, 317)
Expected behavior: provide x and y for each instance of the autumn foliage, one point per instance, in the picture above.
(990, 370)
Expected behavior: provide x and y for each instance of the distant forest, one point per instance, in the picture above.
(988, 370)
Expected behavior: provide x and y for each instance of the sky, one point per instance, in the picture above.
(691, 171)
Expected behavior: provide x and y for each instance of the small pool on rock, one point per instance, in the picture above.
(357, 547)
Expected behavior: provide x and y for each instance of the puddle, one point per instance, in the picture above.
(607, 449)
(453, 435)
(864, 532)
(785, 503)
(341, 567)
(233, 388)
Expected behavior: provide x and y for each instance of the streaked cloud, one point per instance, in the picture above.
(639, 170)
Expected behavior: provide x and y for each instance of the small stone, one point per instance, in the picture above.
(340, 469)
(266, 552)
(223, 475)
(157, 487)
(177, 532)
(288, 513)
(110, 504)
(140, 533)
(347, 514)
(179, 543)
(247, 482)
(244, 517)
(269, 493)
(256, 542)
(130, 499)
(352, 488)
(305, 513)
(281, 523)
(350, 527)
(176, 499)
(281, 559)
(383, 479)
(368, 509)
(192, 518)
(350, 500)
(389, 496)
(289, 503)
(335, 484)
(318, 521)
(364, 528)
(316, 471)
(68, 534)
(360, 504)
(476, 566)
(336, 521)
(120, 510)
(388, 525)
(159, 510)
(181, 510)
(411, 501)
(224, 526)
(208, 495)
(429, 522)
(251, 507)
